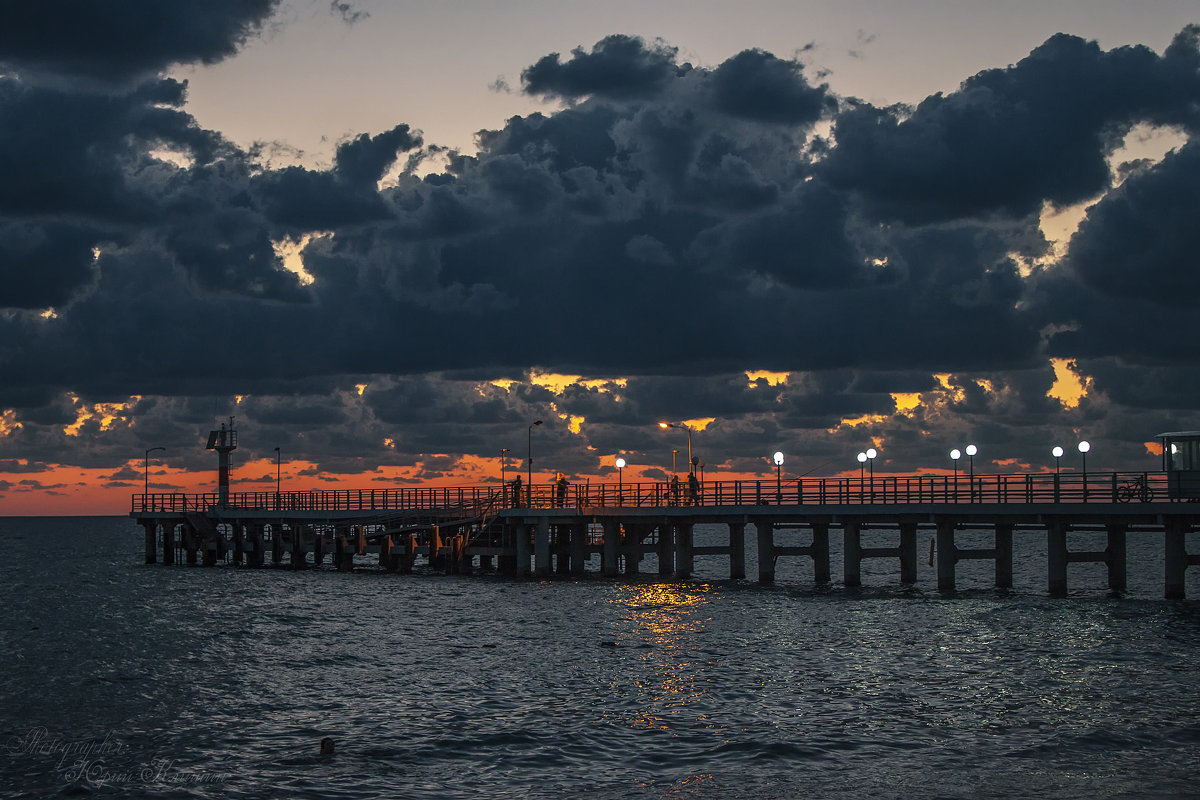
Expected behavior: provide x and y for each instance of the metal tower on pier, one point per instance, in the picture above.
(224, 441)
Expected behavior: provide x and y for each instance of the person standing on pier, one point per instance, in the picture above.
(560, 490)
(516, 492)
(693, 489)
(674, 490)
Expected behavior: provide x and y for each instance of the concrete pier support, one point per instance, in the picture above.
(684, 557)
(276, 545)
(666, 549)
(634, 534)
(908, 552)
(318, 549)
(1176, 559)
(737, 550)
(151, 530)
(852, 553)
(385, 554)
(168, 543)
(947, 554)
(343, 553)
(541, 548)
(522, 531)
(239, 543)
(820, 552)
(1056, 557)
(1004, 555)
(255, 555)
(610, 548)
(766, 551)
(579, 535)
(1115, 556)
(299, 555)
(562, 549)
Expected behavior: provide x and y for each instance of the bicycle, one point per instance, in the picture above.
(1138, 488)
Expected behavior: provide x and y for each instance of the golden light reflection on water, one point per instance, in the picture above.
(666, 620)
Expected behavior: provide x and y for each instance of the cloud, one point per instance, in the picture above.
(673, 226)
(123, 40)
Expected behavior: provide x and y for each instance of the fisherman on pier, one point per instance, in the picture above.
(560, 491)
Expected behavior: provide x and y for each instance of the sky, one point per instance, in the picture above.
(385, 237)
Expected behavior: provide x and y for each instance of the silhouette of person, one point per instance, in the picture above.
(560, 489)
(327, 746)
(516, 492)
(694, 488)
(674, 490)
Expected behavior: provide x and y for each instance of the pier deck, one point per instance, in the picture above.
(545, 532)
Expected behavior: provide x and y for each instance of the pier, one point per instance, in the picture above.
(614, 529)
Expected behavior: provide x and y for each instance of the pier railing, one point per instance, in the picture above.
(1008, 489)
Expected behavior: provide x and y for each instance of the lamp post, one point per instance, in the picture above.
(620, 480)
(778, 458)
(503, 462)
(1057, 452)
(674, 453)
(955, 455)
(529, 466)
(687, 428)
(871, 453)
(1084, 446)
(862, 474)
(146, 471)
(971, 451)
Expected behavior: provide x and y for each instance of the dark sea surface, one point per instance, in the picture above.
(122, 679)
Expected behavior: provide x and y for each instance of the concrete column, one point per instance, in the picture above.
(852, 552)
(633, 542)
(579, 535)
(168, 543)
(522, 531)
(947, 555)
(684, 557)
(737, 550)
(1056, 557)
(410, 553)
(276, 545)
(1115, 556)
(256, 556)
(385, 554)
(190, 543)
(666, 549)
(541, 548)
(820, 552)
(151, 529)
(908, 552)
(611, 544)
(239, 543)
(1176, 558)
(766, 551)
(562, 549)
(435, 547)
(343, 552)
(299, 556)
(318, 550)
(1004, 555)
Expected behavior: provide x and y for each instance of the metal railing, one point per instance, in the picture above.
(1023, 488)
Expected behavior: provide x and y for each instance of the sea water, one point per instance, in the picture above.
(125, 679)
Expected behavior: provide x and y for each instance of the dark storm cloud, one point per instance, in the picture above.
(757, 85)
(123, 39)
(1012, 138)
(617, 66)
(673, 226)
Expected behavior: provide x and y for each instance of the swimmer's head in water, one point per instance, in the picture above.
(327, 746)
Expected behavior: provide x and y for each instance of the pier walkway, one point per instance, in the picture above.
(549, 530)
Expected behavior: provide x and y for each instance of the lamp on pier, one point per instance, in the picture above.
(871, 453)
(1057, 452)
(778, 459)
(503, 462)
(620, 479)
(278, 457)
(1084, 447)
(971, 450)
(686, 427)
(529, 455)
(146, 470)
(955, 455)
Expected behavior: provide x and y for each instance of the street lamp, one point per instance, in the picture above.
(971, 451)
(620, 480)
(674, 453)
(871, 453)
(146, 470)
(277, 472)
(955, 455)
(685, 426)
(503, 461)
(1084, 447)
(778, 477)
(1057, 452)
(529, 454)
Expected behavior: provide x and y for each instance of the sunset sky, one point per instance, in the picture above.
(387, 236)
